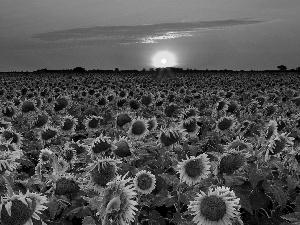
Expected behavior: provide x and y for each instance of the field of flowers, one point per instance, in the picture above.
(121, 149)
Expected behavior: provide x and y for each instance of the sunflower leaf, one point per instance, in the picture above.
(88, 220)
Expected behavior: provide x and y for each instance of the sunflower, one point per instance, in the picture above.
(79, 148)
(4, 124)
(9, 111)
(40, 120)
(226, 123)
(102, 171)
(100, 145)
(48, 133)
(21, 208)
(68, 125)
(134, 104)
(152, 123)
(45, 156)
(92, 123)
(122, 119)
(189, 112)
(231, 161)
(170, 110)
(123, 147)
(190, 126)
(62, 103)
(144, 182)
(271, 131)
(147, 99)
(239, 143)
(270, 110)
(8, 160)
(69, 155)
(194, 169)
(218, 207)
(138, 129)
(66, 185)
(10, 135)
(118, 201)
(27, 107)
(280, 143)
(170, 136)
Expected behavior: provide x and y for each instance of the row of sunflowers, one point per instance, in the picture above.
(121, 149)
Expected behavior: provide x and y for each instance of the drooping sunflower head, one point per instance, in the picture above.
(78, 147)
(40, 120)
(144, 182)
(93, 123)
(100, 145)
(138, 129)
(9, 111)
(269, 110)
(217, 207)
(152, 123)
(239, 143)
(231, 161)
(233, 107)
(120, 191)
(68, 125)
(190, 126)
(134, 104)
(62, 103)
(280, 143)
(271, 130)
(194, 169)
(102, 171)
(147, 99)
(21, 208)
(189, 112)
(69, 154)
(48, 133)
(10, 135)
(170, 136)
(123, 147)
(8, 160)
(66, 186)
(123, 119)
(226, 123)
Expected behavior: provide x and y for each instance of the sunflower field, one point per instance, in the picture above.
(131, 149)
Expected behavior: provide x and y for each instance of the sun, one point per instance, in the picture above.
(163, 59)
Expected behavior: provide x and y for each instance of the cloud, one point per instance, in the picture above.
(148, 33)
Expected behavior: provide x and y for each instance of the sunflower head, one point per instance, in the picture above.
(68, 125)
(269, 110)
(134, 104)
(190, 126)
(194, 169)
(4, 124)
(226, 123)
(119, 198)
(152, 123)
(40, 120)
(171, 136)
(78, 147)
(271, 130)
(239, 143)
(147, 99)
(62, 103)
(144, 182)
(231, 161)
(189, 112)
(102, 171)
(280, 143)
(10, 135)
(123, 119)
(9, 111)
(138, 129)
(21, 208)
(93, 123)
(170, 110)
(27, 106)
(100, 145)
(8, 160)
(123, 147)
(219, 206)
(48, 133)
(66, 186)
(45, 156)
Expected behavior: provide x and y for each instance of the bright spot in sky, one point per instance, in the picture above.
(163, 59)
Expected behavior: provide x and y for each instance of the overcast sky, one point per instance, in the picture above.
(104, 34)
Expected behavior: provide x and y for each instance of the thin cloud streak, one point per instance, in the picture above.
(120, 35)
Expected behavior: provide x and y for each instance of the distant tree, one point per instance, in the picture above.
(79, 70)
(298, 68)
(282, 67)
(116, 69)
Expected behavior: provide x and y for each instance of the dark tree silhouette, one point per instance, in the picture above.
(79, 70)
(282, 67)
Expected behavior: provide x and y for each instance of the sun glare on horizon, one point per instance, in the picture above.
(163, 59)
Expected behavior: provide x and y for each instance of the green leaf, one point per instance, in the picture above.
(277, 191)
(53, 208)
(79, 212)
(258, 200)
(256, 175)
(242, 192)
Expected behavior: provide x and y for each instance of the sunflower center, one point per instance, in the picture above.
(213, 208)
(225, 124)
(144, 181)
(41, 120)
(27, 107)
(48, 134)
(103, 174)
(65, 186)
(194, 168)
(94, 123)
(122, 149)
(68, 124)
(122, 119)
(138, 127)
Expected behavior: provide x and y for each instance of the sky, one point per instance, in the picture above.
(126, 34)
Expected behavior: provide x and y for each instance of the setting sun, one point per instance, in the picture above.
(164, 59)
